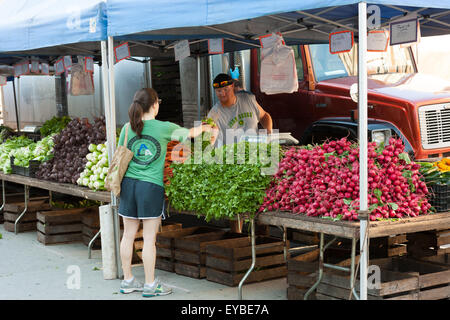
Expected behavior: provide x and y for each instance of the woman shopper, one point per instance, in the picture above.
(142, 188)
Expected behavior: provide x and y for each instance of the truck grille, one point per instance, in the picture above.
(434, 121)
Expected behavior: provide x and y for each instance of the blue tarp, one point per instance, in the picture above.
(30, 24)
(127, 17)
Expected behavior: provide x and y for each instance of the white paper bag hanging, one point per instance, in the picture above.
(278, 70)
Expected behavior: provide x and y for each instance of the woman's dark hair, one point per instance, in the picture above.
(143, 100)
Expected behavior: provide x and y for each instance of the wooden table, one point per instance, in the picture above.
(351, 230)
(65, 188)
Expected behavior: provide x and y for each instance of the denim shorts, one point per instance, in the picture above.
(140, 199)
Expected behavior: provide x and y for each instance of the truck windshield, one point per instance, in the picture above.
(329, 66)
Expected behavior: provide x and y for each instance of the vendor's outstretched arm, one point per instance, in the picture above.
(265, 119)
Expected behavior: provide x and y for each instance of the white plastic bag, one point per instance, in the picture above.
(81, 82)
(278, 70)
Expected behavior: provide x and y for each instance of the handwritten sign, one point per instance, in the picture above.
(17, 70)
(89, 64)
(341, 41)
(182, 50)
(215, 46)
(59, 66)
(122, 52)
(269, 40)
(377, 40)
(45, 68)
(403, 31)
(67, 62)
(34, 66)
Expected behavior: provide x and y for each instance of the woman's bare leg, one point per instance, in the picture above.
(130, 228)
(151, 228)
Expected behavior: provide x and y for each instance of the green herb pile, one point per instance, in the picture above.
(54, 125)
(222, 190)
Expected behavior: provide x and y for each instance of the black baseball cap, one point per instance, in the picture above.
(222, 80)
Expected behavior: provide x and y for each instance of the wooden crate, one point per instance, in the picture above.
(28, 221)
(402, 278)
(139, 240)
(302, 274)
(165, 246)
(228, 261)
(190, 251)
(429, 243)
(385, 247)
(60, 225)
(304, 237)
(91, 226)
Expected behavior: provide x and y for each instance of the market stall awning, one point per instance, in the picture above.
(26, 26)
(241, 23)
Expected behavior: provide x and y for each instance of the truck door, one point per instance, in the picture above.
(290, 112)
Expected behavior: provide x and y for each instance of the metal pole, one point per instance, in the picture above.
(27, 190)
(110, 127)
(198, 89)
(15, 104)
(252, 227)
(3, 195)
(112, 138)
(362, 111)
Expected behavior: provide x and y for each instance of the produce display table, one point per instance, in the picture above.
(351, 230)
(65, 188)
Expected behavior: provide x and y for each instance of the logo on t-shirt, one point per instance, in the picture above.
(240, 119)
(146, 149)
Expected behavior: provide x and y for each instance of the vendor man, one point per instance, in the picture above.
(235, 112)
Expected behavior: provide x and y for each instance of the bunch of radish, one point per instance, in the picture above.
(324, 181)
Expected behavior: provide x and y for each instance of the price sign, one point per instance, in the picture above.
(182, 50)
(17, 70)
(341, 41)
(67, 62)
(215, 46)
(45, 69)
(34, 66)
(59, 66)
(269, 40)
(89, 64)
(25, 67)
(122, 52)
(377, 40)
(403, 31)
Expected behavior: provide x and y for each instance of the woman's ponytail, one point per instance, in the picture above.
(143, 100)
(135, 114)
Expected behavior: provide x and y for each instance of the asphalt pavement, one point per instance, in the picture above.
(30, 270)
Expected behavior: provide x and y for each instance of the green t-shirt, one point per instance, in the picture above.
(150, 150)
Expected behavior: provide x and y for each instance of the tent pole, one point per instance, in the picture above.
(198, 89)
(15, 105)
(362, 111)
(112, 145)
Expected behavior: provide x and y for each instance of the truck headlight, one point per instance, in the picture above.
(381, 136)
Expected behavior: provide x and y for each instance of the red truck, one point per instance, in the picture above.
(401, 102)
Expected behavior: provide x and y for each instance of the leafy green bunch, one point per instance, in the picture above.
(222, 189)
(54, 125)
(40, 151)
(8, 146)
